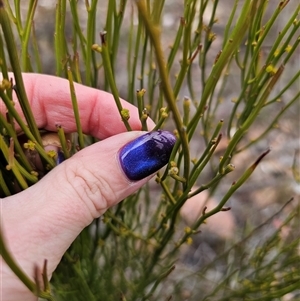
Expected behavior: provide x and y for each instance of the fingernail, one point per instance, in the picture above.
(146, 154)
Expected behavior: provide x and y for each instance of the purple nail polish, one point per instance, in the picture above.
(146, 154)
(60, 157)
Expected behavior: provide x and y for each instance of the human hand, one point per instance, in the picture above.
(41, 222)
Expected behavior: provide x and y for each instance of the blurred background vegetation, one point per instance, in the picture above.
(224, 77)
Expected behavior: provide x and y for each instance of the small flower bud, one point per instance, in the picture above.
(6, 84)
(187, 230)
(288, 48)
(271, 69)
(30, 145)
(173, 171)
(189, 241)
(125, 114)
(173, 164)
(96, 48)
(164, 113)
(141, 92)
(229, 168)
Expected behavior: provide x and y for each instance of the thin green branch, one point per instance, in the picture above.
(104, 50)
(75, 109)
(14, 60)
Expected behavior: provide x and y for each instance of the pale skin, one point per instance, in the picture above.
(41, 222)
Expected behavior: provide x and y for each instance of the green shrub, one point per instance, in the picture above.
(222, 75)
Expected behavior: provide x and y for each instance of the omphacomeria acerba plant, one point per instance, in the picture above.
(220, 79)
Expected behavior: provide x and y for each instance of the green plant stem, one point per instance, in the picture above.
(172, 214)
(76, 66)
(14, 60)
(229, 23)
(283, 32)
(46, 282)
(75, 18)
(157, 8)
(262, 37)
(152, 83)
(154, 34)
(133, 65)
(254, 46)
(141, 107)
(125, 227)
(11, 15)
(199, 166)
(14, 266)
(25, 129)
(168, 192)
(277, 97)
(110, 78)
(229, 193)
(272, 124)
(11, 133)
(186, 60)
(290, 53)
(254, 232)
(233, 188)
(63, 142)
(75, 109)
(59, 37)
(158, 281)
(232, 44)
(186, 110)
(176, 45)
(215, 180)
(90, 55)
(36, 52)
(15, 169)
(26, 35)
(143, 60)
(3, 185)
(29, 176)
(77, 269)
(245, 126)
(207, 153)
(4, 69)
(117, 19)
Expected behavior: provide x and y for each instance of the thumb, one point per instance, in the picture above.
(42, 221)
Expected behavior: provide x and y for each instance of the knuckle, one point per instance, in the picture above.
(92, 189)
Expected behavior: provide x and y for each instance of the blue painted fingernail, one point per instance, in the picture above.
(146, 154)
(60, 157)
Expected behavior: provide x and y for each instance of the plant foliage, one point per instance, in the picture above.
(213, 79)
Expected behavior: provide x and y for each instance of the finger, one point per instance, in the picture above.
(50, 101)
(55, 210)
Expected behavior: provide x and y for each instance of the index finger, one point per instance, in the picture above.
(50, 101)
